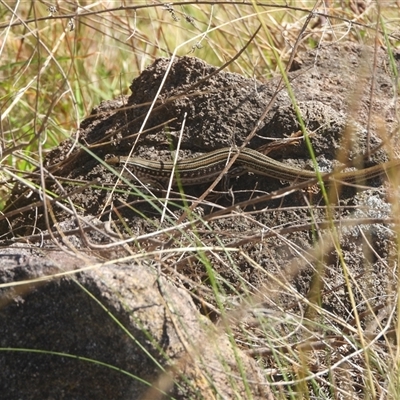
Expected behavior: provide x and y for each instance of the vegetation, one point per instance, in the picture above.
(58, 62)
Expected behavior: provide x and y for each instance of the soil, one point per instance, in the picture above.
(282, 240)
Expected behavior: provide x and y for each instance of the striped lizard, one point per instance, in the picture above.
(207, 167)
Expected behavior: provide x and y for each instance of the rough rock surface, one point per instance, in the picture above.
(147, 333)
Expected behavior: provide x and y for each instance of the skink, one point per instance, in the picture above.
(207, 167)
